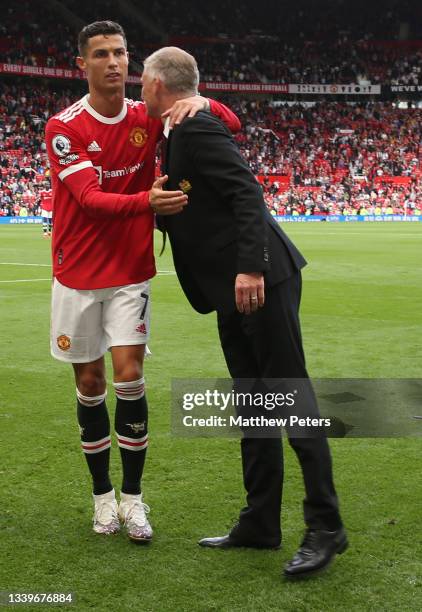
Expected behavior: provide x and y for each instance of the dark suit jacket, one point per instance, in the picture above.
(225, 227)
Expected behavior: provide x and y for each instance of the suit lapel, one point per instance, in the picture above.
(165, 154)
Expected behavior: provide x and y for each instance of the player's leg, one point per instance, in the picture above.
(131, 419)
(50, 223)
(126, 319)
(94, 427)
(44, 224)
(77, 338)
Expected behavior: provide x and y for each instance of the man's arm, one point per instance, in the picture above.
(189, 107)
(217, 159)
(97, 203)
(226, 115)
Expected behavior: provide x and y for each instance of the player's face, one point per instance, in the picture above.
(105, 62)
(149, 94)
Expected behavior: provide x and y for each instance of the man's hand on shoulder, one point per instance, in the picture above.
(166, 202)
(186, 107)
(250, 292)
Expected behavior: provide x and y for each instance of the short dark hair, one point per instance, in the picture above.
(97, 28)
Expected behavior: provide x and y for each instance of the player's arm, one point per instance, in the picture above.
(72, 165)
(97, 203)
(189, 107)
(224, 113)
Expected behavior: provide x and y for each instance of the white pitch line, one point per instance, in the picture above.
(26, 280)
(16, 263)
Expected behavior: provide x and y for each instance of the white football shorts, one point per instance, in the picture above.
(46, 214)
(87, 323)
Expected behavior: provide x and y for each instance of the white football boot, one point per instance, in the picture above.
(106, 520)
(132, 513)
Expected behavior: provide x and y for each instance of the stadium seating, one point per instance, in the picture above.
(327, 156)
(270, 45)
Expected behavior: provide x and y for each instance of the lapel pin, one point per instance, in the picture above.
(185, 186)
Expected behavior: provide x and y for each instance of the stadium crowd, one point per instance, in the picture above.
(262, 44)
(363, 139)
(330, 157)
(24, 172)
(335, 157)
(345, 198)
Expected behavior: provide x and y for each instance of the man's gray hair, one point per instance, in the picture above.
(176, 68)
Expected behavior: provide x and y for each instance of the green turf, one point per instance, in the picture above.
(361, 316)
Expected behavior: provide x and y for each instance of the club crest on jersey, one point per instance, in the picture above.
(137, 427)
(138, 137)
(185, 186)
(61, 145)
(142, 328)
(63, 342)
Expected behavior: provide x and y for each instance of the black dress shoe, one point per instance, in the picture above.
(318, 549)
(228, 541)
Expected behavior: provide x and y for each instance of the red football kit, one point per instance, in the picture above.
(46, 196)
(102, 169)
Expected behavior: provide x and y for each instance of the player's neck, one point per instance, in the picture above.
(107, 105)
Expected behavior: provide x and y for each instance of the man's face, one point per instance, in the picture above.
(149, 94)
(105, 62)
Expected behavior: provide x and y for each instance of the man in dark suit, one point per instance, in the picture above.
(232, 257)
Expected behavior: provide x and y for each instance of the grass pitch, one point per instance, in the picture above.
(361, 317)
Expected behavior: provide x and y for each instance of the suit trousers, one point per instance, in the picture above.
(267, 344)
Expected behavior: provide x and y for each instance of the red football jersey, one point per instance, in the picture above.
(102, 169)
(46, 196)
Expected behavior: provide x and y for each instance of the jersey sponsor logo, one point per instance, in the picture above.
(107, 174)
(185, 186)
(137, 427)
(94, 146)
(138, 137)
(69, 159)
(63, 342)
(141, 328)
(61, 145)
